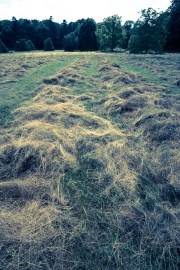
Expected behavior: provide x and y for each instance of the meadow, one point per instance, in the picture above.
(89, 161)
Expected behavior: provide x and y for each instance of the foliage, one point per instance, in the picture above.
(63, 31)
(24, 45)
(87, 39)
(36, 31)
(43, 33)
(135, 45)
(6, 33)
(150, 32)
(174, 4)
(70, 42)
(20, 45)
(3, 48)
(48, 45)
(128, 28)
(30, 46)
(173, 40)
(110, 33)
(30, 30)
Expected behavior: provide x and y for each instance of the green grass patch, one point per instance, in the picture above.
(90, 71)
(91, 67)
(23, 90)
(149, 76)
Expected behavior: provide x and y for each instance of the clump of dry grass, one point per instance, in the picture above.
(78, 191)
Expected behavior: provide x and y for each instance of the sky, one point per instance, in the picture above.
(72, 10)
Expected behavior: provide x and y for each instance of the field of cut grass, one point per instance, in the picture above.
(89, 161)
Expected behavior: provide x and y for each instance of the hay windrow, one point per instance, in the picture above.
(89, 170)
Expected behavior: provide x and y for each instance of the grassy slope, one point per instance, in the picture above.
(90, 169)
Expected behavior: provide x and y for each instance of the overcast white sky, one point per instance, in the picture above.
(72, 10)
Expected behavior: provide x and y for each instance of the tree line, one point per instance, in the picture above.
(152, 32)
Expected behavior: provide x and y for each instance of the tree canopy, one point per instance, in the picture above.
(3, 48)
(128, 29)
(24, 45)
(153, 31)
(150, 32)
(173, 40)
(48, 45)
(87, 39)
(110, 33)
(70, 42)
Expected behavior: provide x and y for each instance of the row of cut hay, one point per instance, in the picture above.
(35, 237)
(65, 114)
(24, 157)
(151, 162)
(111, 199)
(21, 191)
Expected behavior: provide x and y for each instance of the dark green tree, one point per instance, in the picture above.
(20, 45)
(110, 33)
(53, 30)
(3, 48)
(30, 45)
(36, 31)
(128, 27)
(31, 32)
(150, 32)
(6, 33)
(48, 45)
(24, 45)
(42, 34)
(21, 34)
(70, 42)
(63, 31)
(87, 40)
(15, 29)
(71, 27)
(174, 4)
(173, 39)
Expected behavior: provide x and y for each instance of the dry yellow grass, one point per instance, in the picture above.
(90, 173)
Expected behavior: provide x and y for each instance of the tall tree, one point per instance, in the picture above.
(48, 45)
(6, 33)
(173, 40)
(43, 33)
(63, 31)
(128, 27)
(30, 45)
(21, 34)
(87, 40)
(110, 33)
(174, 4)
(3, 48)
(15, 29)
(150, 32)
(70, 41)
(31, 32)
(24, 45)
